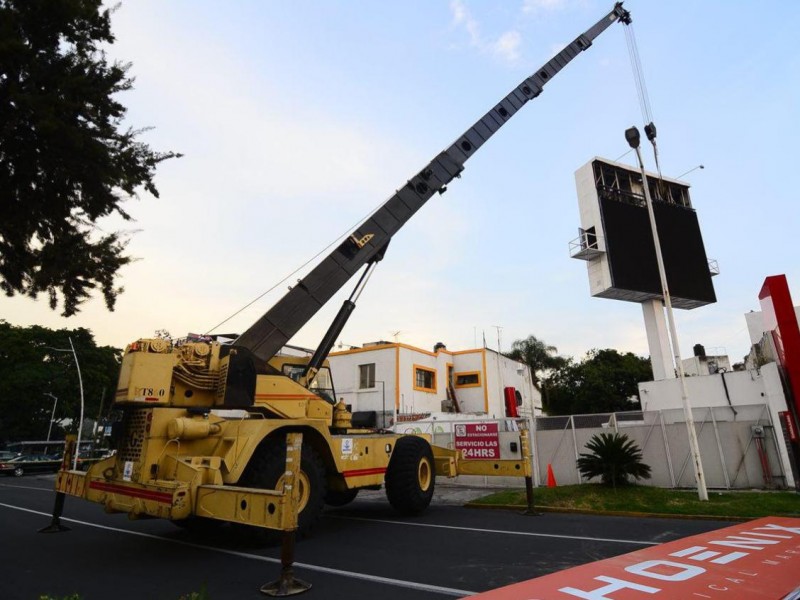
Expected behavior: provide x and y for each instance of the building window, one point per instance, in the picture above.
(424, 379)
(366, 376)
(471, 379)
(450, 375)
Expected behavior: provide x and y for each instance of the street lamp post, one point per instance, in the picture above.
(80, 384)
(53, 414)
(632, 136)
(690, 170)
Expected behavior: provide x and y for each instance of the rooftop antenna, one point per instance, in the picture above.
(499, 329)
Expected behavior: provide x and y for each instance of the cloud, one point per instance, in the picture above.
(463, 18)
(505, 47)
(536, 6)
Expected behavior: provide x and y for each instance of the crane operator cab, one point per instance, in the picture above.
(321, 384)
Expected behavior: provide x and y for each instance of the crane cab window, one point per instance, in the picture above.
(294, 372)
(322, 385)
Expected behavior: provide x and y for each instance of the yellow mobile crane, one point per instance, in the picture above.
(203, 426)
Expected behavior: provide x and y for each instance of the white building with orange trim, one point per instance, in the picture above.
(396, 380)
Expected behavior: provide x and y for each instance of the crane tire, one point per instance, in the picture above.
(268, 465)
(410, 477)
(340, 498)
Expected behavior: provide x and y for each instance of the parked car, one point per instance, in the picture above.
(30, 463)
(7, 455)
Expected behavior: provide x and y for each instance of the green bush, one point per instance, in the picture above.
(613, 458)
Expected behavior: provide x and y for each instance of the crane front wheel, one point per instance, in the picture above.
(410, 477)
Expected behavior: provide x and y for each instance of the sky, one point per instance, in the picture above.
(297, 119)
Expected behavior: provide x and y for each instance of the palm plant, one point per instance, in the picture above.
(538, 355)
(613, 457)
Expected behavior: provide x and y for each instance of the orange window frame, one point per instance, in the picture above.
(479, 383)
(429, 370)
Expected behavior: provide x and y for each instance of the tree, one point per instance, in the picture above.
(605, 381)
(32, 366)
(538, 356)
(613, 457)
(65, 160)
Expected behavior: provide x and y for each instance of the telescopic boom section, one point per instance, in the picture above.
(367, 243)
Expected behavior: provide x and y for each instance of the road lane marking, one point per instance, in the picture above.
(503, 531)
(423, 587)
(475, 529)
(28, 487)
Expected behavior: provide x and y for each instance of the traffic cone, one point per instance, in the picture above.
(551, 479)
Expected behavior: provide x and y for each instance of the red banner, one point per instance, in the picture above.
(758, 559)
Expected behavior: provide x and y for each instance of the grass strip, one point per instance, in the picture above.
(645, 499)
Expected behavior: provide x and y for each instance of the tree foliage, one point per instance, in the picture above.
(604, 381)
(538, 355)
(613, 457)
(65, 158)
(36, 361)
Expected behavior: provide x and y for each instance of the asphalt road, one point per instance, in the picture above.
(361, 551)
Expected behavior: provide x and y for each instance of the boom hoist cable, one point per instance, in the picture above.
(641, 92)
(336, 240)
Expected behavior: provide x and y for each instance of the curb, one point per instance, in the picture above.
(609, 513)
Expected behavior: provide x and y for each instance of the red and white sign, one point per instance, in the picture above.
(478, 440)
(758, 559)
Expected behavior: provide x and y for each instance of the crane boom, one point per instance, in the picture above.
(368, 242)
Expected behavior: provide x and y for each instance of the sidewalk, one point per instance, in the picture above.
(448, 494)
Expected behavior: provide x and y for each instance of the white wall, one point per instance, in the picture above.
(744, 388)
(395, 364)
(755, 324)
(589, 208)
(502, 373)
(471, 399)
(414, 400)
(345, 370)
